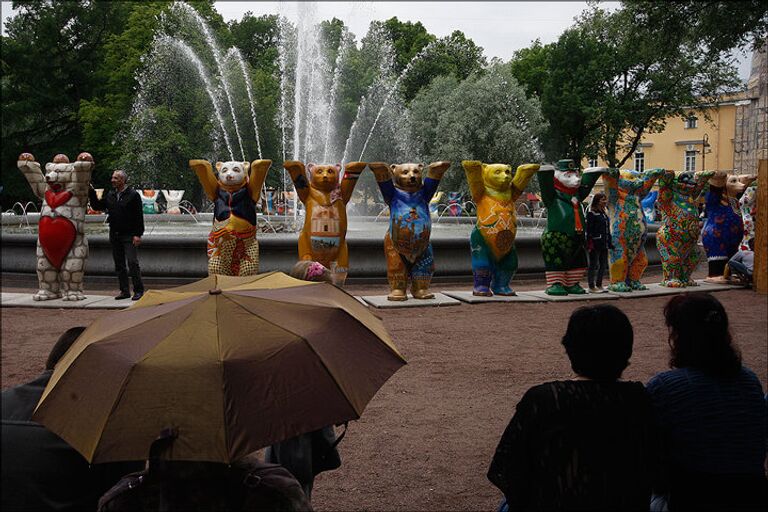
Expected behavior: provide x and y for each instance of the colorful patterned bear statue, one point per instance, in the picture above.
(748, 207)
(723, 230)
(324, 235)
(406, 244)
(563, 241)
(494, 191)
(679, 233)
(232, 246)
(625, 191)
(62, 248)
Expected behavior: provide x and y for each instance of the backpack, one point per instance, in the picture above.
(247, 485)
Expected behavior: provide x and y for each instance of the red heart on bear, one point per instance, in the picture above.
(56, 199)
(56, 235)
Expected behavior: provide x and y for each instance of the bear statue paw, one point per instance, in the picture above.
(72, 295)
(691, 282)
(482, 292)
(575, 289)
(556, 289)
(506, 292)
(45, 295)
(422, 294)
(637, 285)
(673, 283)
(620, 287)
(397, 295)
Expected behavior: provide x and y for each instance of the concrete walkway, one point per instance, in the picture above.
(446, 298)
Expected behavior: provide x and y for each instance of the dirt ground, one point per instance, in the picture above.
(426, 439)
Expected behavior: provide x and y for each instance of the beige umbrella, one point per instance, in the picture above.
(233, 363)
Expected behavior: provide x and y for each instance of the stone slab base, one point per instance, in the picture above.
(706, 287)
(380, 301)
(24, 300)
(467, 297)
(572, 298)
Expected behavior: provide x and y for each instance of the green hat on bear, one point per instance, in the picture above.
(566, 165)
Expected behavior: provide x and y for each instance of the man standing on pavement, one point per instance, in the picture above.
(126, 227)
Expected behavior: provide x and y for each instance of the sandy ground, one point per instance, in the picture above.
(426, 439)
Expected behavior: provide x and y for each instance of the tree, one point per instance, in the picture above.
(451, 55)
(530, 66)
(718, 26)
(50, 58)
(485, 117)
(610, 78)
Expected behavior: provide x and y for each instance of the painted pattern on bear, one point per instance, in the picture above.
(625, 191)
(677, 237)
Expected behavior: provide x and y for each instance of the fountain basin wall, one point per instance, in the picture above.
(176, 255)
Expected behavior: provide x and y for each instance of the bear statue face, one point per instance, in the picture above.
(407, 177)
(324, 177)
(736, 184)
(232, 174)
(570, 178)
(685, 183)
(497, 176)
(58, 173)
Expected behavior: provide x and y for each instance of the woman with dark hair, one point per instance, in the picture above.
(598, 242)
(586, 443)
(711, 414)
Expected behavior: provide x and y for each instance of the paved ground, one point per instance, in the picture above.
(425, 440)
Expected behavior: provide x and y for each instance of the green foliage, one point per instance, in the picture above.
(485, 117)
(50, 56)
(717, 26)
(614, 76)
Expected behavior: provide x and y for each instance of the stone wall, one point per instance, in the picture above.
(750, 142)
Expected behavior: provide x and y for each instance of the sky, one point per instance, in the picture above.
(500, 28)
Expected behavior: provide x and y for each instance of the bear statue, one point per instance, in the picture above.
(679, 233)
(232, 246)
(563, 241)
(723, 230)
(625, 190)
(494, 191)
(406, 244)
(325, 196)
(62, 247)
(748, 207)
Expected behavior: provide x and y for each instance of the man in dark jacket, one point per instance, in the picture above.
(126, 227)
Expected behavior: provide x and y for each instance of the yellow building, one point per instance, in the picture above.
(734, 137)
(690, 144)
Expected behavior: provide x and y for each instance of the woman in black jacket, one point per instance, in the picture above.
(598, 242)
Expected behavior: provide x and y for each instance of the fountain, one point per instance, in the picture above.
(185, 52)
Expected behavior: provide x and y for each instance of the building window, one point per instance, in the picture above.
(690, 160)
(592, 162)
(691, 122)
(639, 161)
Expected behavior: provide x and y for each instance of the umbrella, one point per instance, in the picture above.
(233, 363)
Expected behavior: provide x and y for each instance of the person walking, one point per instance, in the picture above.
(126, 227)
(598, 242)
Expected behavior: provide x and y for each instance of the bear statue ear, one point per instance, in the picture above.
(485, 166)
(421, 167)
(246, 166)
(218, 166)
(337, 167)
(310, 167)
(392, 167)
